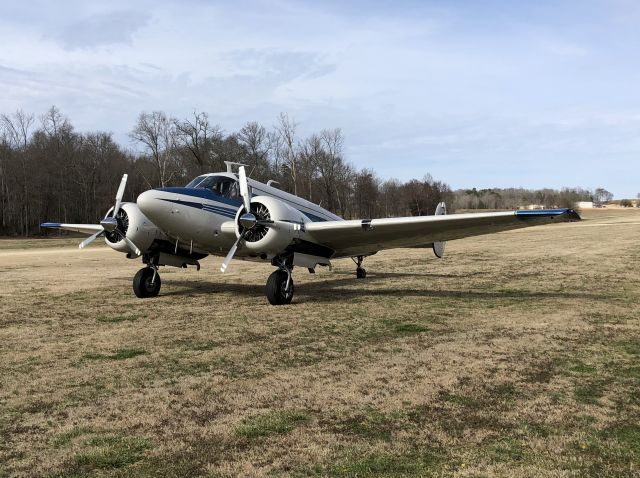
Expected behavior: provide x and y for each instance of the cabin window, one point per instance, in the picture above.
(220, 185)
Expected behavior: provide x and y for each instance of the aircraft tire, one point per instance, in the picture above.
(276, 293)
(142, 285)
(361, 272)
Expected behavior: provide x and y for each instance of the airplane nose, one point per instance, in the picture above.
(148, 202)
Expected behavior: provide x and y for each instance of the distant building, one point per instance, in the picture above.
(533, 206)
(584, 205)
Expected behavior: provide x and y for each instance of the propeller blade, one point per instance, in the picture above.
(249, 217)
(90, 239)
(119, 194)
(232, 251)
(132, 247)
(244, 189)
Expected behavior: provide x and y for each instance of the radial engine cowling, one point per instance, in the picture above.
(281, 225)
(137, 227)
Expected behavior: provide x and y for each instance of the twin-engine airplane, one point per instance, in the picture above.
(228, 213)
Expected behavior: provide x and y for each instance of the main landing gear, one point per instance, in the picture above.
(361, 272)
(279, 289)
(280, 282)
(146, 282)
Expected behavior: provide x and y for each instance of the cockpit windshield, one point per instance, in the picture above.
(194, 182)
(220, 185)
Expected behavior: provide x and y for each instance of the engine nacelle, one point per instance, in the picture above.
(275, 238)
(137, 227)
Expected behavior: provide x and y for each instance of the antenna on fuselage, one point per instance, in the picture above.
(231, 164)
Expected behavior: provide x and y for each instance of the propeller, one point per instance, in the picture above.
(110, 223)
(247, 220)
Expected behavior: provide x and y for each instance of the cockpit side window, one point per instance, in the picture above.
(220, 185)
(194, 182)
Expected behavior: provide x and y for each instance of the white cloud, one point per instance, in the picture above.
(468, 92)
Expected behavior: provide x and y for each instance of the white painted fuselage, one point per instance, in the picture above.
(200, 219)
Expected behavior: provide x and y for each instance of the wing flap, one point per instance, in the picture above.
(367, 236)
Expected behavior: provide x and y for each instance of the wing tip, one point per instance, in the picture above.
(47, 225)
(567, 213)
(573, 215)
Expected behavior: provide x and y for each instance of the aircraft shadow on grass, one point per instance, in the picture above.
(326, 290)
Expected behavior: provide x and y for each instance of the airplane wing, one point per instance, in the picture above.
(83, 228)
(366, 236)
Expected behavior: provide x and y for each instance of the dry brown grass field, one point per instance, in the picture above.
(516, 355)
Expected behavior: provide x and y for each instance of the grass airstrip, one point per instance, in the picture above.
(517, 355)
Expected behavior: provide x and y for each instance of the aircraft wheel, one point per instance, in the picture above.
(277, 292)
(361, 272)
(142, 285)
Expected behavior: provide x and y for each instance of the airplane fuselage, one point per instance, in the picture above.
(194, 217)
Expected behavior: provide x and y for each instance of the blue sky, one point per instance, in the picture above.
(492, 93)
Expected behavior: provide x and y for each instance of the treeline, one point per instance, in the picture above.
(51, 172)
(513, 198)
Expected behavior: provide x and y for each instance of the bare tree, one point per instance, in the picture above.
(309, 156)
(366, 193)
(157, 133)
(330, 163)
(60, 148)
(423, 196)
(198, 135)
(601, 195)
(16, 132)
(5, 151)
(286, 129)
(17, 128)
(55, 125)
(345, 185)
(391, 198)
(94, 174)
(258, 143)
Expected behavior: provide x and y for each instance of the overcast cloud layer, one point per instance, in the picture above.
(493, 93)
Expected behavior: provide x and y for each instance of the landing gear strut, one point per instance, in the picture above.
(280, 283)
(146, 282)
(361, 272)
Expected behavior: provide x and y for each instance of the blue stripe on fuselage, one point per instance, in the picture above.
(230, 213)
(207, 194)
